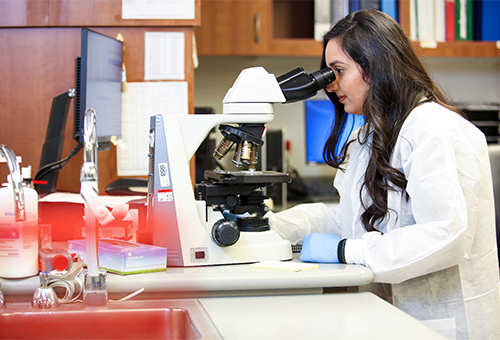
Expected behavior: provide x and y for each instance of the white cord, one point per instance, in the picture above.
(68, 280)
(137, 292)
(71, 287)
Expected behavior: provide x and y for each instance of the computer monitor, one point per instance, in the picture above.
(99, 85)
(319, 118)
(53, 146)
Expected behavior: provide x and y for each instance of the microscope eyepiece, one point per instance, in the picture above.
(323, 77)
(297, 85)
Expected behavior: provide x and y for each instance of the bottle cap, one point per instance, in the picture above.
(60, 262)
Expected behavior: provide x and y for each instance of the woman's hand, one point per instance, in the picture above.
(320, 248)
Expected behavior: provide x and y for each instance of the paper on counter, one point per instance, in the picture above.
(140, 102)
(281, 265)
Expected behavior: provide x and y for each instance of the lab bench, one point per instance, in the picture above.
(252, 303)
(246, 302)
(318, 316)
(222, 280)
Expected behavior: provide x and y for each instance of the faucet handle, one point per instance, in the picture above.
(100, 211)
(45, 296)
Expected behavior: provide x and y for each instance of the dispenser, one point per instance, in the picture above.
(18, 223)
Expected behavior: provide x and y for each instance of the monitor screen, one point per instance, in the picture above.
(98, 85)
(319, 118)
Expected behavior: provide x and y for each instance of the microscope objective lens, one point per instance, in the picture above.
(223, 148)
(246, 152)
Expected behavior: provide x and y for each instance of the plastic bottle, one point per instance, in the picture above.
(18, 240)
(54, 259)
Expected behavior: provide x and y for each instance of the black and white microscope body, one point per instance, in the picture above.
(222, 221)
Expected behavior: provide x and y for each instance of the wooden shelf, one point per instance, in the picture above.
(456, 49)
(295, 47)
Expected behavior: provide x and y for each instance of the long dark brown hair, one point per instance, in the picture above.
(398, 83)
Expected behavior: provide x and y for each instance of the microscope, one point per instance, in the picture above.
(223, 221)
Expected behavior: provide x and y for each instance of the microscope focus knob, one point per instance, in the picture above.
(225, 233)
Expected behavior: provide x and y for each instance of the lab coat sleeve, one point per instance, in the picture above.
(294, 223)
(443, 172)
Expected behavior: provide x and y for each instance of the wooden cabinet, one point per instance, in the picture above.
(36, 13)
(285, 28)
(257, 27)
(40, 41)
(234, 27)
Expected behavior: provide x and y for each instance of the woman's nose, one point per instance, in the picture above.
(333, 86)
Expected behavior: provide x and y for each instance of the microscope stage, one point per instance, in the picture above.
(250, 177)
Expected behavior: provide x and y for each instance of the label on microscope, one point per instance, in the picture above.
(164, 175)
(165, 195)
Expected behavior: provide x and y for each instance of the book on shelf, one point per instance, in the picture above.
(430, 25)
(440, 20)
(487, 20)
(450, 19)
(454, 20)
(373, 4)
(329, 12)
(431, 21)
(464, 20)
(354, 5)
(340, 8)
(389, 7)
(413, 20)
(322, 18)
(425, 20)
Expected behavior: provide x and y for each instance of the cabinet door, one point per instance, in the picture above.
(105, 13)
(24, 13)
(234, 27)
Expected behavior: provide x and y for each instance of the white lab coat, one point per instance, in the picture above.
(436, 255)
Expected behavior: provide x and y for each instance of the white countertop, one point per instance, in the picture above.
(315, 316)
(218, 280)
(356, 316)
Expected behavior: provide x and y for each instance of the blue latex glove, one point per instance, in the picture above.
(320, 248)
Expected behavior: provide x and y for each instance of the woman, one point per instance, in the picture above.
(416, 191)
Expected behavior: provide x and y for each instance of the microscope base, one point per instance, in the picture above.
(251, 247)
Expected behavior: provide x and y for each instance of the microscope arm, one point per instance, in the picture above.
(196, 127)
(251, 99)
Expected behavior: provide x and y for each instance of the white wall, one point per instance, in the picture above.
(463, 79)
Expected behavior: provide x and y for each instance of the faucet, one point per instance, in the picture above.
(17, 182)
(45, 296)
(95, 292)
